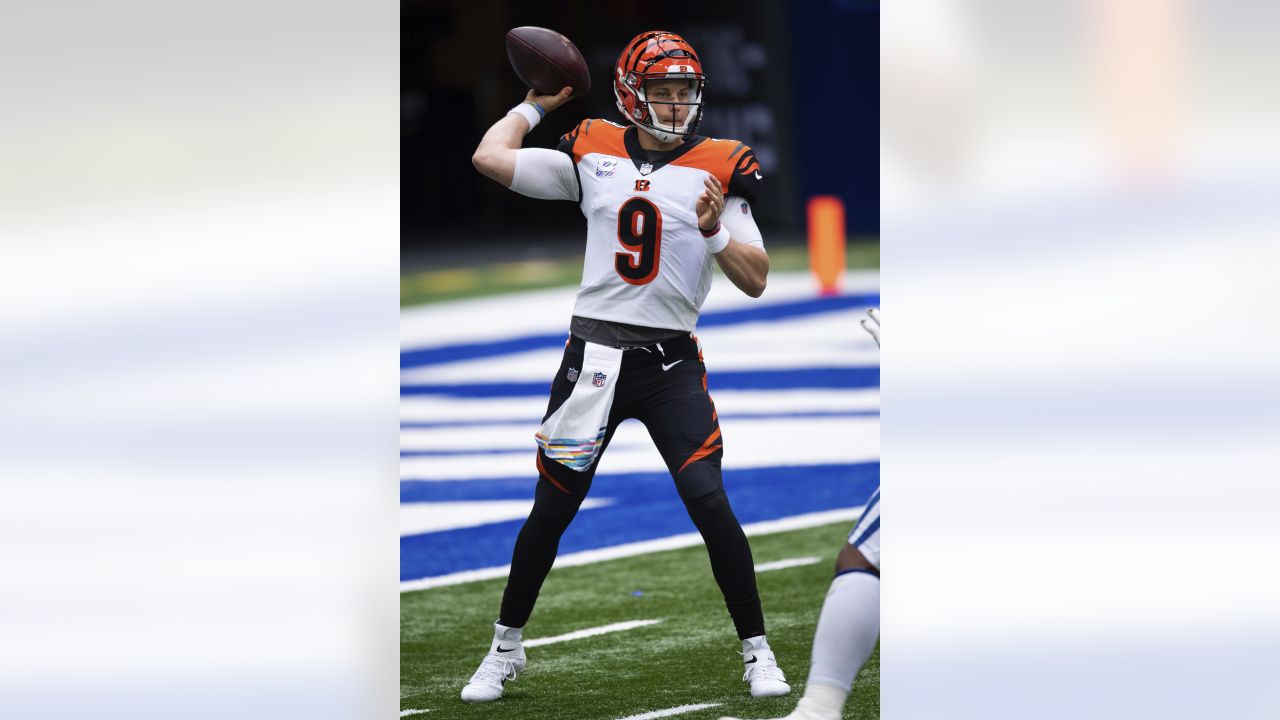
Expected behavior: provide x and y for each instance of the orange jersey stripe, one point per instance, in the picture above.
(597, 136)
(718, 157)
(731, 162)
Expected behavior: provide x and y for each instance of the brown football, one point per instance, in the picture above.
(546, 61)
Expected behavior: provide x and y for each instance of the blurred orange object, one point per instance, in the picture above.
(826, 241)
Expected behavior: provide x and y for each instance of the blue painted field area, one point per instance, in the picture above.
(644, 506)
(798, 396)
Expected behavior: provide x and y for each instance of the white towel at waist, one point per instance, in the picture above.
(574, 433)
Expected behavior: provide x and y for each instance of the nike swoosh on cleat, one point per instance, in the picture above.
(502, 649)
(748, 662)
(668, 367)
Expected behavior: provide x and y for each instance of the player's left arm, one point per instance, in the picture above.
(733, 238)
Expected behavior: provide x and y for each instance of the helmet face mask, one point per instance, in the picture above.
(659, 55)
(664, 107)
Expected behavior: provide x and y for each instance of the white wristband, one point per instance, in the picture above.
(718, 239)
(529, 111)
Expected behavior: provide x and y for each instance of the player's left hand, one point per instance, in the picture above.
(710, 204)
(873, 325)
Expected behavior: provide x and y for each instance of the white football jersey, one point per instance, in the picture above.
(646, 261)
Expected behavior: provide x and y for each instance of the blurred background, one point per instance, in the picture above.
(796, 81)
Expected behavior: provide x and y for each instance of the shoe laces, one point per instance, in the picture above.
(765, 668)
(495, 669)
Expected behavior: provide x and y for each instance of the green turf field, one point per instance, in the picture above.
(691, 657)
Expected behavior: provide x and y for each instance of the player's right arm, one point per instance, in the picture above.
(495, 157)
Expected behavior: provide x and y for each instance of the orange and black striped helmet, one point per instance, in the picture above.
(658, 55)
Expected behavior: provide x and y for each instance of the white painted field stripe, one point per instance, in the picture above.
(828, 440)
(417, 518)
(789, 563)
(591, 632)
(406, 713)
(670, 711)
(644, 547)
(526, 412)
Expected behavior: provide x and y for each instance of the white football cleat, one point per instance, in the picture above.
(504, 662)
(494, 672)
(763, 674)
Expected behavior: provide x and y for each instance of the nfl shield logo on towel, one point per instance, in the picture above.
(572, 374)
(598, 379)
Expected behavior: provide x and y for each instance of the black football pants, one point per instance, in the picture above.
(665, 388)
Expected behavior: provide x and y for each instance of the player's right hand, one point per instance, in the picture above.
(549, 102)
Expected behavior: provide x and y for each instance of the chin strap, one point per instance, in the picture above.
(661, 135)
(667, 136)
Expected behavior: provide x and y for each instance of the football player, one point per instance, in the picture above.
(663, 204)
(849, 625)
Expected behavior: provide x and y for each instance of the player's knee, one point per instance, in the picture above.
(553, 504)
(713, 504)
(850, 558)
(700, 482)
(553, 514)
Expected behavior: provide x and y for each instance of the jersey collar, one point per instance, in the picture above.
(654, 158)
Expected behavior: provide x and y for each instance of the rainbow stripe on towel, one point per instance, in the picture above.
(571, 452)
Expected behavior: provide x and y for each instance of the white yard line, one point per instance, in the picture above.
(670, 711)
(591, 632)
(526, 412)
(417, 518)
(518, 439)
(789, 563)
(675, 542)
(752, 443)
(406, 713)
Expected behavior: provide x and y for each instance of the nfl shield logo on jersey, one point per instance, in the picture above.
(572, 374)
(598, 379)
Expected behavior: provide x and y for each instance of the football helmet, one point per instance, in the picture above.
(658, 55)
